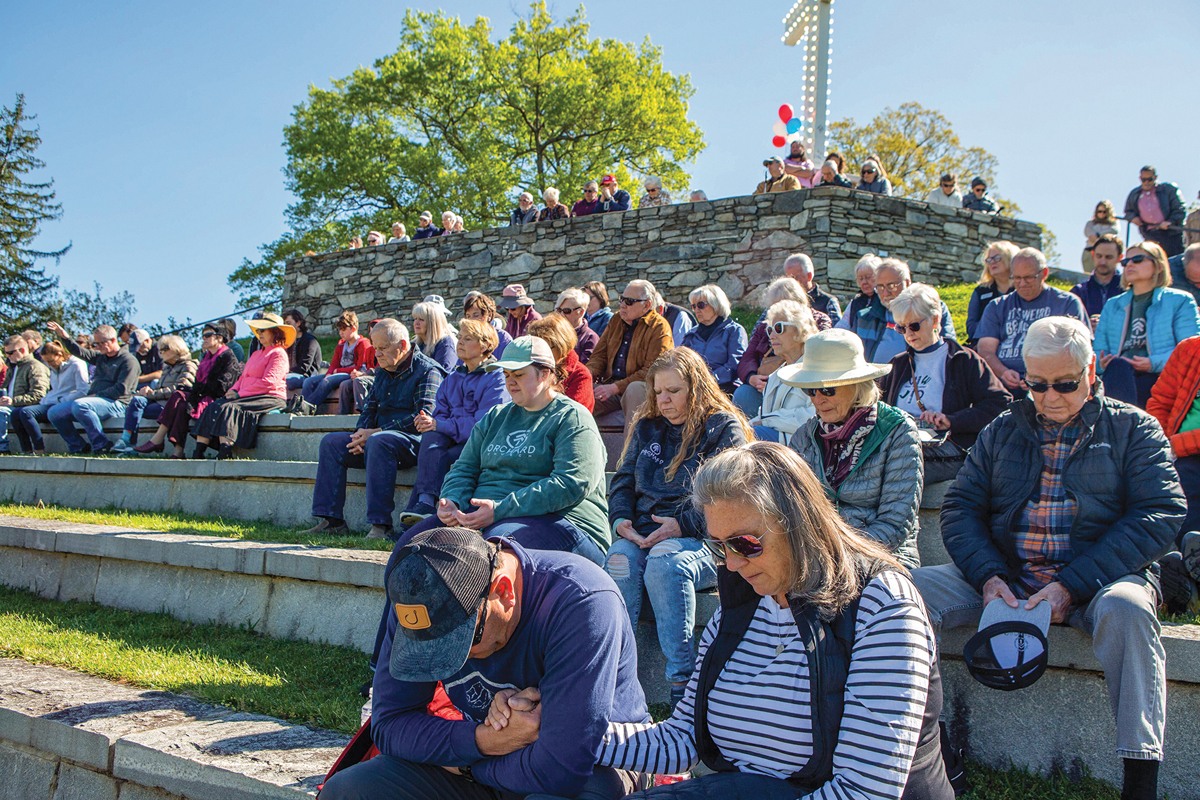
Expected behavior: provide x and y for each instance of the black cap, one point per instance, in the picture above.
(439, 582)
(978, 182)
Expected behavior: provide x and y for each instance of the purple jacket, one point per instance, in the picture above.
(587, 342)
(464, 397)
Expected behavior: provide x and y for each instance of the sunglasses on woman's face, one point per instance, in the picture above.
(825, 391)
(1062, 387)
(1134, 260)
(778, 328)
(915, 327)
(699, 306)
(746, 546)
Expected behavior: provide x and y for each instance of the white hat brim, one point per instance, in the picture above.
(796, 375)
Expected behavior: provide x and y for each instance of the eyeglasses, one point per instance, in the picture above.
(482, 621)
(746, 546)
(778, 328)
(895, 286)
(915, 327)
(632, 301)
(700, 306)
(1062, 387)
(996, 259)
(826, 391)
(1135, 260)
(1023, 279)
(565, 311)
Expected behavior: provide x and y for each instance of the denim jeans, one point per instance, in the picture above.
(318, 387)
(1122, 621)
(90, 412)
(765, 434)
(438, 452)
(672, 571)
(294, 380)
(1188, 468)
(384, 454)
(723, 785)
(28, 421)
(139, 406)
(748, 399)
(5, 413)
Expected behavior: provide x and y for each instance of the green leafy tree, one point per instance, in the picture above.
(27, 294)
(82, 312)
(457, 120)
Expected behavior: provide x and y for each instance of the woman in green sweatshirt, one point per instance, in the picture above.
(532, 469)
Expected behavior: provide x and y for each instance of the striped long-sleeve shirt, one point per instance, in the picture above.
(758, 711)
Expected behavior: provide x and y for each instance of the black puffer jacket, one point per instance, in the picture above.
(1129, 505)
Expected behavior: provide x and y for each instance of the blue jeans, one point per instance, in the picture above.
(748, 399)
(317, 387)
(90, 412)
(672, 571)
(5, 413)
(139, 406)
(382, 457)
(29, 429)
(438, 452)
(295, 381)
(547, 532)
(765, 434)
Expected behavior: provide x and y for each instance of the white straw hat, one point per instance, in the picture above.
(832, 358)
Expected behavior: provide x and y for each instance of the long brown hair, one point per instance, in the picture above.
(705, 398)
(558, 333)
(830, 560)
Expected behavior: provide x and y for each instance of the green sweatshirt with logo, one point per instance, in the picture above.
(536, 462)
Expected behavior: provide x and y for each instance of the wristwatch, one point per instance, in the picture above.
(466, 773)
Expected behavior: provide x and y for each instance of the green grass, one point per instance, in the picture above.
(988, 783)
(172, 522)
(314, 684)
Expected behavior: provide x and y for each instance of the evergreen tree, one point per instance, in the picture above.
(27, 294)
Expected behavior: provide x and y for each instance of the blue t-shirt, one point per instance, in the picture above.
(1008, 318)
(573, 642)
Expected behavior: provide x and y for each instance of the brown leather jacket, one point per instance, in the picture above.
(651, 338)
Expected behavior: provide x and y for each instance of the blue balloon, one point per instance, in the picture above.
(793, 125)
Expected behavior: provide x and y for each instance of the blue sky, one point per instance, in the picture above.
(162, 122)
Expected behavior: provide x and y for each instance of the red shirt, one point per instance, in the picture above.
(578, 385)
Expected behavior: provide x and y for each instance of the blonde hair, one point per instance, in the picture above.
(478, 331)
(1159, 256)
(1006, 250)
(174, 344)
(436, 326)
(830, 561)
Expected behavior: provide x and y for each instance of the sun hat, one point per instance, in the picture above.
(436, 588)
(1010, 651)
(832, 358)
(514, 295)
(272, 320)
(524, 352)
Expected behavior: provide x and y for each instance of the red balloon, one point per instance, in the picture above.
(778, 141)
(785, 112)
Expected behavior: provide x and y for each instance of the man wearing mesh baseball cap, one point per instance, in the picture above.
(483, 616)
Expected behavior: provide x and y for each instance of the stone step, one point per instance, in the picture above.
(98, 740)
(333, 595)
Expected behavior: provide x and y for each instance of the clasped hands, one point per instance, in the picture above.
(668, 528)
(513, 721)
(483, 516)
(1054, 593)
(358, 439)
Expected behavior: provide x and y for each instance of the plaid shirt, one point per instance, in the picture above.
(1042, 536)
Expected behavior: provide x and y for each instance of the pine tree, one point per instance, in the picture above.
(27, 293)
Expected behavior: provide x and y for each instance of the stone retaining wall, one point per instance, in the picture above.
(739, 243)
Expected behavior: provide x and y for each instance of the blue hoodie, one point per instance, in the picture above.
(465, 396)
(721, 345)
(573, 642)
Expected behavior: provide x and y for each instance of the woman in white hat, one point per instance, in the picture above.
(233, 420)
(866, 453)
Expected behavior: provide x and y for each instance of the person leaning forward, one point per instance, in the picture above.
(486, 617)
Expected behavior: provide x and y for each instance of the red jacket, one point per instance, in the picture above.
(364, 357)
(1173, 395)
(578, 385)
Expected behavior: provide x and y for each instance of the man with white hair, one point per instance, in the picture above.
(799, 267)
(1002, 328)
(876, 326)
(385, 438)
(525, 212)
(864, 276)
(448, 218)
(1068, 498)
(1185, 271)
(633, 340)
(655, 194)
(573, 305)
(399, 234)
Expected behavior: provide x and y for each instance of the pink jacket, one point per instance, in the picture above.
(265, 373)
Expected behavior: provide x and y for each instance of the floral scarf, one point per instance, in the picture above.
(842, 444)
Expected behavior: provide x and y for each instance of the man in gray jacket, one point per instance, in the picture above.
(116, 377)
(1068, 499)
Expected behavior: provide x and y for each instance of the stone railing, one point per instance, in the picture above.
(738, 243)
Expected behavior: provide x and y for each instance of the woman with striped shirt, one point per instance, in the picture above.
(817, 677)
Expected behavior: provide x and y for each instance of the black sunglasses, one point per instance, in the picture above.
(1135, 260)
(479, 628)
(630, 301)
(746, 546)
(1062, 387)
(700, 306)
(564, 310)
(827, 391)
(10, 352)
(915, 327)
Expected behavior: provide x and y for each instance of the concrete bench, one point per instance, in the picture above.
(76, 736)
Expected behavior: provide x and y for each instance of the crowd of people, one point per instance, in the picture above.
(782, 465)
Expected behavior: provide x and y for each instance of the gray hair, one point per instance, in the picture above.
(869, 261)
(791, 311)
(449, 214)
(1191, 253)
(1051, 336)
(578, 295)
(106, 331)
(866, 394)
(525, 196)
(895, 264)
(550, 195)
(17, 339)
(698, 196)
(653, 182)
(1033, 254)
(713, 295)
(786, 288)
(646, 288)
(593, 184)
(801, 259)
(832, 165)
(917, 300)
(392, 330)
(174, 344)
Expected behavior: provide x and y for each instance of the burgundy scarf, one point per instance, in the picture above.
(841, 444)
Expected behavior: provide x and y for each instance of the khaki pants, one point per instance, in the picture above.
(628, 404)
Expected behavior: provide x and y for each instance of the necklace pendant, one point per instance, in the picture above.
(779, 648)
